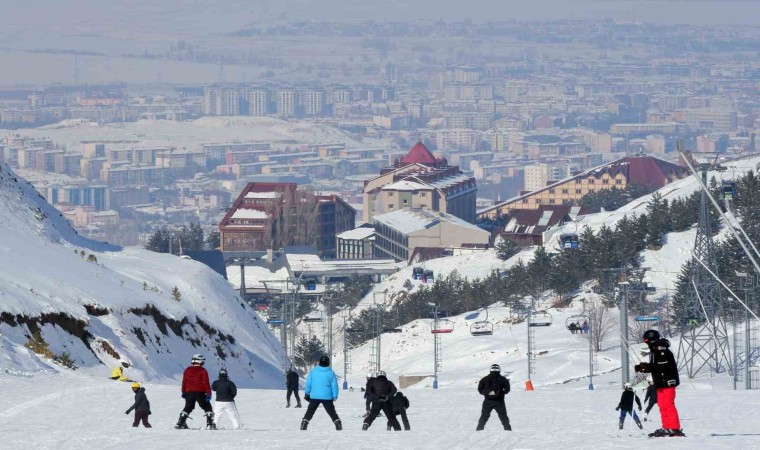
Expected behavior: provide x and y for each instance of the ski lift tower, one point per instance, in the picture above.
(377, 330)
(704, 339)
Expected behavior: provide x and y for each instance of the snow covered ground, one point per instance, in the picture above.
(68, 411)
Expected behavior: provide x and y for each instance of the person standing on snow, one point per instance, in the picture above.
(650, 396)
(225, 400)
(321, 389)
(626, 405)
(368, 400)
(196, 389)
(141, 406)
(383, 390)
(399, 405)
(493, 387)
(291, 383)
(662, 365)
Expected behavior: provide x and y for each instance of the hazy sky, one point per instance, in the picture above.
(216, 13)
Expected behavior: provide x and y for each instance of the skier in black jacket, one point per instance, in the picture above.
(368, 399)
(662, 365)
(226, 391)
(650, 396)
(399, 405)
(291, 383)
(141, 406)
(493, 387)
(382, 390)
(626, 405)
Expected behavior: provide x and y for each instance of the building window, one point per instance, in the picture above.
(551, 201)
(578, 181)
(605, 181)
(525, 200)
(423, 194)
(551, 191)
(406, 202)
(618, 181)
(577, 191)
(564, 191)
(390, 206)
(390, 194)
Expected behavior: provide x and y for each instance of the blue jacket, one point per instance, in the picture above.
(321, 384)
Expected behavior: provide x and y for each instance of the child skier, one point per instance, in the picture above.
(662, 365)
(225, 400)
(291, 383)
(400, 404)
(141, 406)
(626, 405)
(196, 389)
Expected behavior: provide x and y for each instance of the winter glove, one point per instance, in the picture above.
(306, 397)
(639, 408)
(617, 409)
(127, 413)
(184, 395)
(208, 399)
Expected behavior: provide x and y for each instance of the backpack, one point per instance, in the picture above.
(494, 389)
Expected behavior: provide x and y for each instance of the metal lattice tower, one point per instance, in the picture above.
(377, 330)
(704, 340)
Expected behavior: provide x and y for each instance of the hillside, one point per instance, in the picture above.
(100, 303)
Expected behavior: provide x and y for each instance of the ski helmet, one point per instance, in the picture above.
(324, 361)
(223, 373)
(651, 336)
(369, 375)
(198, 359)
(380, 373)
(627, 385)
(135, 385)
(495, 368)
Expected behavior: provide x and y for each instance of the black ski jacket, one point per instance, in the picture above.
(291, 380)
(141, 402)
(626, 400)
(366, 387)
(662, 365)
(225, 390)
(651, 394)
(381, 388)
(494, 382)
(399, 402)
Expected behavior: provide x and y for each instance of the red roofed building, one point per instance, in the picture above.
(647, 172)
(420, 180)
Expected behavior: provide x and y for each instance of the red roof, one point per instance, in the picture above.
(419, 154)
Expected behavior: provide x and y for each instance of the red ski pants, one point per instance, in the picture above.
(666, 400)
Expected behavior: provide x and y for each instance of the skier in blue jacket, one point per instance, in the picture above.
(321, 389)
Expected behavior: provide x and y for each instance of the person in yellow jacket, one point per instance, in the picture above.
(117, 374)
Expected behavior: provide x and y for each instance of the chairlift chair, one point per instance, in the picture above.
(310, 284)
(444, 326)
(275, 321)
(313, 316)
(578, 318)
(481, 328)
(540, 319)
(418, 273)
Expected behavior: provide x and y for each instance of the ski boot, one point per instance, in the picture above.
(480, 427)
(645, 416)
(210, 425)
(288, 405)
(661, 432)
(621, 423)
(304, 424)
(676, 433)
(507, 427)
(298, 405)
(638, 424)
(338, 425)
(182, 422)
(365, 426)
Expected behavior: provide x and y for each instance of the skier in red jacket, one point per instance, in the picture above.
(196, 388)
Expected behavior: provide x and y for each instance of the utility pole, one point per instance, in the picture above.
(346, 354)
(531, 338)
(436, 347)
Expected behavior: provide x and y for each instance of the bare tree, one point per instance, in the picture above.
(601, 323)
